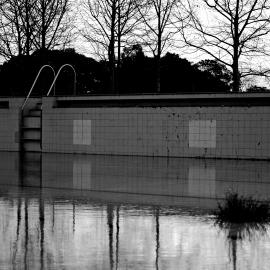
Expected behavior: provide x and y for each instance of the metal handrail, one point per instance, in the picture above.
(34, 83)
(55, 78)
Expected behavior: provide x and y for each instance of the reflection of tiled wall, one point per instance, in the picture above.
(156, 180)
(222, 132)
(82, 174)
(202, 181)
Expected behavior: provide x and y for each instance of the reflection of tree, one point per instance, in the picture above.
(73, 216)
(41, 224)
(110, 227)
(157, 236)
(26, 232)
(117, 237)
(238, 232)
(19, 217)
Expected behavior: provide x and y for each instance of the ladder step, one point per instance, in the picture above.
(31, 133)
(32, 122)
(31, 128)
(31, 145)
(34, 112)
(30, 140)
(30, 116)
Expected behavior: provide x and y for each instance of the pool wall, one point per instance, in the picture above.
(10, 115)
(206, 125)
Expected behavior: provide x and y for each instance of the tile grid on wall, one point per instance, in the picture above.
(201, 132)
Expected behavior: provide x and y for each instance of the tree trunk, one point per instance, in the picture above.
(235, 65)
(111, 65)
(158, 73)
(158, 68)
(236, 77)
(111, 49)
(118, 48)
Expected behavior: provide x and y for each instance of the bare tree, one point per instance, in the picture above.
(234, 35)
(107, 25)
(158, 30)
(127, 21)
(52, 23)
(26, 25)
(12, 38)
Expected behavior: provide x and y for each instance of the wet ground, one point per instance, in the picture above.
(117, 212)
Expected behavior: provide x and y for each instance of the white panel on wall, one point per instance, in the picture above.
(81, 174)
(202, 133)
(77, 131)
(202, 181)
(82, 132)
(86, 137)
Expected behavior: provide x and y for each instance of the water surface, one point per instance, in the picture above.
(117, 212)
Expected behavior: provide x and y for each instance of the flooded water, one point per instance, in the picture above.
(116, 212)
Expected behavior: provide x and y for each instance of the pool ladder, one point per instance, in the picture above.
(31, 115)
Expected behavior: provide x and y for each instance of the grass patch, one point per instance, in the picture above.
(240, 209)
(242, 217)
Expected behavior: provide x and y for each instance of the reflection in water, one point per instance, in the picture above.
(26, 233)
(157, 235)
(117, 236)
(100, 212)
(239, 232)
(110, 227)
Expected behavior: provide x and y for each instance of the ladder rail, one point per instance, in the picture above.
(58, 73)
(34, 83)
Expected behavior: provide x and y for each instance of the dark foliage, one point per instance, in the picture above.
(136, 74)
(213, 76)
(18, 74)
(258, 89)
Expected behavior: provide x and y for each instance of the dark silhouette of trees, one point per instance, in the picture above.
(177, 75)
(156, 28)
(212, 76)
(137, 74)
(258, 89)
(91, 75)
(235, 34)
(217, 71)
(107, 25)
(137, 71)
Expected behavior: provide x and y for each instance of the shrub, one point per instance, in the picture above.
(240, 209)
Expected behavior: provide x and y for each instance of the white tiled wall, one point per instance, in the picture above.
(220, 132)
(9, 124)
